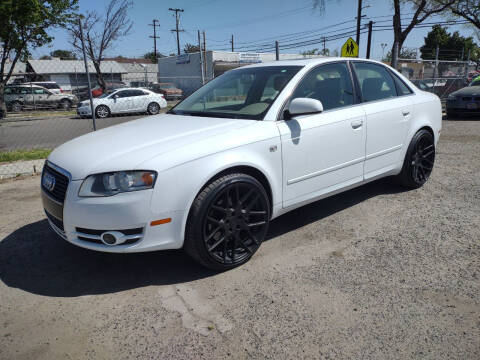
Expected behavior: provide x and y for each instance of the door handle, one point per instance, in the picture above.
(405, 112)
(356, 124)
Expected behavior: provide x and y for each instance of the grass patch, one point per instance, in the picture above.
(16, 155)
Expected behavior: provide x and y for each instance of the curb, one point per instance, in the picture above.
(14, 119)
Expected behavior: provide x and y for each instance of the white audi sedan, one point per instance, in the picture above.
(123, 101)
(252, 144)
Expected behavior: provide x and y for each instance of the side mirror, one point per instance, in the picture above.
(115, 96)
(304, 106)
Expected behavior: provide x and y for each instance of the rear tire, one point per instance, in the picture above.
(65, 104)
(102, 111)
(153, 108)
(419, 160)
(228, 221)
(16, 106)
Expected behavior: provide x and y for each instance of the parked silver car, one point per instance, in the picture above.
(19, 97)
(464, 101)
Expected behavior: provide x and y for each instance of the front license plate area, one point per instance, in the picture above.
(471, 106)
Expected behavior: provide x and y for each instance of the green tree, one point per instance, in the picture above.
(189, 48)
(151, 56)
(451, 45)
(24, 24)
(309, 52)
(405, 53)
(465, 9)
(63, 54)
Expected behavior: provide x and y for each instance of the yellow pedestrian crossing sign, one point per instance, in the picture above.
(350, 48)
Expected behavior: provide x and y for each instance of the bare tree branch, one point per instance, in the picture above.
(100, 33)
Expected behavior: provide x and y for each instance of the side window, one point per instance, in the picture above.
(402, 88)
(123, 94)
(8, 91)
(38, 91)
(330, 83)
(375, 81)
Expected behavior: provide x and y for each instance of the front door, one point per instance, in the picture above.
(323, 152)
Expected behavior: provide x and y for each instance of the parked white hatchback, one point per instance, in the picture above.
(123, 101)
(248, 146)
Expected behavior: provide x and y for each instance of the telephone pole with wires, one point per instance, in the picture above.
(177, 23)
(155, 37)
(231, 42)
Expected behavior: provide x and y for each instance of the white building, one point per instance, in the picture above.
(185, 71)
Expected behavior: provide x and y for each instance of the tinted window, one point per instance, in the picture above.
(375, 81)
(122, 94)
(136, 93)
(331, 84)
(402, 88)
(39, 91)
(8, 91)
(24, 90)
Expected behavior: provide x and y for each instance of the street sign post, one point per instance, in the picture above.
(350, 48)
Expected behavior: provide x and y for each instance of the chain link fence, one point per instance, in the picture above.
(440, 77)
(43, 107)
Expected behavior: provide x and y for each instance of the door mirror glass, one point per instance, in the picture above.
(115, 96)
(303, 106)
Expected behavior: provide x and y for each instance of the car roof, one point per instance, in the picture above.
(308, 62)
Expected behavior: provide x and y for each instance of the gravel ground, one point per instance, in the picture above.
(374, 273)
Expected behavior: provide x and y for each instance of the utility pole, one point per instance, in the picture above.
(324, 46)
(177, 30)
(383, 45)
(201, 58)
(359, 18)
(277, 51)
(155, 37)
(231, 42)
(88, 74)
(205, 55)
(369, 42)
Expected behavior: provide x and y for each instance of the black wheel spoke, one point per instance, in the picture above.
(218, 242)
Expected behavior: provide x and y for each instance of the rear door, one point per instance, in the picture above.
(388, 113)
(140, 100)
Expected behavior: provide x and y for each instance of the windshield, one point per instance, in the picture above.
(167, 86)
(246, 93)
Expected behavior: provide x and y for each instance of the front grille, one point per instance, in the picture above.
(94, 236)
(58, 223)
(61, 184)
(466, 98)
(136, 231)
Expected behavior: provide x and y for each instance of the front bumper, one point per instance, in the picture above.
(84, 111)
(81, 221)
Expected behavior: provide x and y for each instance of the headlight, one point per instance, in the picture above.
(112, 183)
(451, 97)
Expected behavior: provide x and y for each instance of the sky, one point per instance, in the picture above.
(249, 21)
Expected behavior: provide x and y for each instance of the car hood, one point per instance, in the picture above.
(125, 146)
(469, 90)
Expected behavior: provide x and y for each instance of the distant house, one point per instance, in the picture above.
(18, 73)
(70, 74)
(137, 71)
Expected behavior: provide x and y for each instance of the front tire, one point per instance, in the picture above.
(227, 222)
(102, 111)
(419, 160)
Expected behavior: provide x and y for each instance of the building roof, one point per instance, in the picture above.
(19, 69)
(73, 66)
(123, 60)
(137, 68)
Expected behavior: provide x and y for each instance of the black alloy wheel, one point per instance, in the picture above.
(228, 222)
(419, 160)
